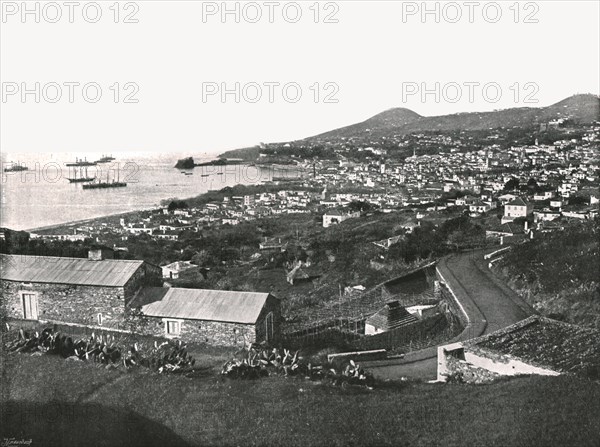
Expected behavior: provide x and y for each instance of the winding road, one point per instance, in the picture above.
(488, 303)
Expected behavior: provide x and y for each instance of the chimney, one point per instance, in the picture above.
(100, 253)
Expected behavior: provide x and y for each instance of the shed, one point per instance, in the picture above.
(391, 316)
(88, 291)
(218, 317)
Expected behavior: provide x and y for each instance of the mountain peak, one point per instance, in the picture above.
(391, 118)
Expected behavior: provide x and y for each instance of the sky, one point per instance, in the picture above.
(204, 77)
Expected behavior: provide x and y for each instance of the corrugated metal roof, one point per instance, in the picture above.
(201, 304)
(59, 270)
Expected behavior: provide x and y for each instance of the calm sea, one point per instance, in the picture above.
(43, 195)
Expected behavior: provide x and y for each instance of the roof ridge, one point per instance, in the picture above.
(68, 257)
(211, 290)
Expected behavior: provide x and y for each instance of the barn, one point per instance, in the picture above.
(89, 291)
(216, 317)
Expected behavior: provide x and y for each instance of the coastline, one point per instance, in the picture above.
(127, 213)
(80, 221)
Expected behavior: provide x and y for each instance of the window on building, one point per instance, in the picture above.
(172, 327)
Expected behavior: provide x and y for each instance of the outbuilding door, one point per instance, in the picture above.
(30, 305)
(269, 326)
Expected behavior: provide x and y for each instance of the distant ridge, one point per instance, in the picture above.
(582, 108)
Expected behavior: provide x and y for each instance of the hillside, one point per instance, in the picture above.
(578, 108)
(557, 273)
(57, 402)
(383, 121)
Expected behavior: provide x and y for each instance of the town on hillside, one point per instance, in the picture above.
(445, 258)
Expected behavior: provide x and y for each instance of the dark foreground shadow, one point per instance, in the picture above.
(80, 424)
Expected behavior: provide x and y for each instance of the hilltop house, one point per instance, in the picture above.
(217, 317)
(92, 291)
(333, 217)
(172, 271)
(516, 208)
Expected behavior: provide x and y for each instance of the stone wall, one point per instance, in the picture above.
(68, 303)
(464, 364)
(462, 371)
(419, 333)
(146, 276)
(272, 305)
(446, 297)
(209, 332)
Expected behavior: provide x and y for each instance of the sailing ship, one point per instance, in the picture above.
(82, 178)
(81, 163)
(107, 184)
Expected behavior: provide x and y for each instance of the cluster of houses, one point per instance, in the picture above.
(560, 172)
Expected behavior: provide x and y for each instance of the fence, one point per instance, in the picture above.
(338, 332)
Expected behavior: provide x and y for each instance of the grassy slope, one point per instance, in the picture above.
(557, 273)
(57, 402)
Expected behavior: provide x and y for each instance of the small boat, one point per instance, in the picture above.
(81, 179)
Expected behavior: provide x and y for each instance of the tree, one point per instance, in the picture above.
(512, 184)
(359, 205)
(177, 205)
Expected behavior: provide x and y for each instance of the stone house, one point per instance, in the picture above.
(91, 292)
(216, 317)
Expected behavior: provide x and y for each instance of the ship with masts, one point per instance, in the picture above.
(108, 184)
(81, 163)
(83, 178)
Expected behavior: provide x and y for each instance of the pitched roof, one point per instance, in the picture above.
(546, 343)
(391, 317)
(61, 270)
(201, 304)
(517, 202)
(507, 228)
